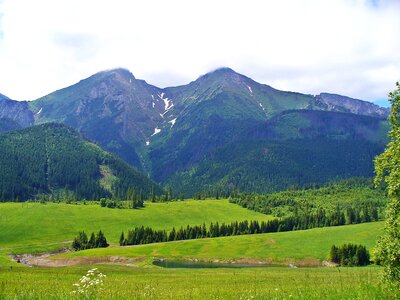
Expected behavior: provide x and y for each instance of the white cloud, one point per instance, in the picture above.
(311, 46)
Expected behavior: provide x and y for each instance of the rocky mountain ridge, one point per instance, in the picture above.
(175, 131)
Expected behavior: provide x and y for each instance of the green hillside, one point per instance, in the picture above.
(56, 223)
(53, 160)
(313, 244)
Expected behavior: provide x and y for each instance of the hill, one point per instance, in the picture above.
(53, 160)
(16, 234)
(282, 247)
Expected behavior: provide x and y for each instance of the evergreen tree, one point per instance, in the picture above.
(92, 241)
(101, 241)
(122, 239)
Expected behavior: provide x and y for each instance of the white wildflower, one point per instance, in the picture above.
(89, 284)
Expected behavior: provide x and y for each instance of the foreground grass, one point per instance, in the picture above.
(157, 283)
(35, 227)
(278, 247)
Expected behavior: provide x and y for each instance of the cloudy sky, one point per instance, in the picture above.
(350, 47)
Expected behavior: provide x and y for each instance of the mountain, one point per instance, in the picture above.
(7, 124)
(17, 112)
(185, 136)
(3, 97)
(293, 148)
(53, 159)
(112, 108)
(350, 105)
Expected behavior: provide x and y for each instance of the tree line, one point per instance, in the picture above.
(147, 235)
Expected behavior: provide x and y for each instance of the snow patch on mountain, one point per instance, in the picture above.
(156, 131)
(172, 122)
(263, 108)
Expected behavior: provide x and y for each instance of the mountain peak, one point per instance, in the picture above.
(223, 71)
(4, 97)
(119, 72)
(223, 76)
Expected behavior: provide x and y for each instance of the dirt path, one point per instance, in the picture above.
(46, 260)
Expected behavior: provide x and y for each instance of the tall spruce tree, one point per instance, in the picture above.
(387, 168)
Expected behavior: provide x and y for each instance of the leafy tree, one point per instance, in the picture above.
(387, 168)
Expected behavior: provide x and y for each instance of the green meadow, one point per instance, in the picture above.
(280, 247)
(158, 283)
(34, 227)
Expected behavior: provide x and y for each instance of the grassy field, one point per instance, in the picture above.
(35, 227)
(142, 283)
(280, 247)
(30, 227)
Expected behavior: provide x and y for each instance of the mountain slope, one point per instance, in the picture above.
(112, 108)
(293, 148)
(16, 111)
(178, 133)
(53, 159)
(346, 104)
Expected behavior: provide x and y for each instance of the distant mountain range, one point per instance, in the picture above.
(219, 132)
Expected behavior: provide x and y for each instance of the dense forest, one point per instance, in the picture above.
(53, 161)
(294, 148)
(355, 199)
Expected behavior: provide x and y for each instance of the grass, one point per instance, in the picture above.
(280, 247)
(35, 227)
(157, 283)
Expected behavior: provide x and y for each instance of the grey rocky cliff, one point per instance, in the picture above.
(334, 102)
(17, 111)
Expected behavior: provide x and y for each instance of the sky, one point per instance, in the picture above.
(348, 47)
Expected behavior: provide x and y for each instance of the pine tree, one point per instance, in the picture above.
(122, 239)
(101, 241)
(92, 241)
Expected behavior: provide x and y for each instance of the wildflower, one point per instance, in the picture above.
(89, 284)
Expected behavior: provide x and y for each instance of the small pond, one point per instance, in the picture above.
(203, 265)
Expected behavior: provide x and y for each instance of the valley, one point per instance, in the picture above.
(129, 269)
(257, 183)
